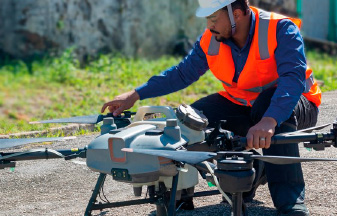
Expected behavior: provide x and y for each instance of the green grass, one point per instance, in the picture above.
(58, 87)
(325, 69)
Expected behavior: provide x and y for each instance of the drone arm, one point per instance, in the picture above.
(295, 138)
(42, 154)
(202, 146)
(318, 141)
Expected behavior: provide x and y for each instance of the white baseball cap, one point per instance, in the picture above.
(208, 7)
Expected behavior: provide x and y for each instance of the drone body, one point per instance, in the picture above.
(105, 155)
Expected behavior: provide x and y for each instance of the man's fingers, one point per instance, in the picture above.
(256, 141)
(104, 107)
(268, 142)
(113, 108)
(262, 142)
(262, 132)
(112, 105)
(118, 111)
(249, 141)
(108, 104)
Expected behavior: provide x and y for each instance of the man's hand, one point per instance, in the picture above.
(122, 102)
(259, 136)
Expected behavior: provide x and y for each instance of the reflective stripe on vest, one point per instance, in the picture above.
(214, 47)
(264, 18)
(262, 88)
(227, 84)
(242, 101)
(309, 83)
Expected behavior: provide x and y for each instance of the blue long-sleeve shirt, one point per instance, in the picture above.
(291, 67)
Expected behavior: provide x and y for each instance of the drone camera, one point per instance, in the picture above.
(120, 174)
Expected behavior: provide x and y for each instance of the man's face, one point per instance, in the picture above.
(219, 24)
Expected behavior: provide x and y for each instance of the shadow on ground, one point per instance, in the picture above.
(254, 208)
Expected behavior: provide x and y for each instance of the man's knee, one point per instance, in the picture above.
(306, 113)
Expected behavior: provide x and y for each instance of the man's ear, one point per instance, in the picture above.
(238, 14)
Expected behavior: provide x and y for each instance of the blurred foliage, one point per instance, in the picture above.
(58, 87)
(325, 69)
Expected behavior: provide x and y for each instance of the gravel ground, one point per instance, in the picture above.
(58, 187)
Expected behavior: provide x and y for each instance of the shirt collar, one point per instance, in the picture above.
(250, 35)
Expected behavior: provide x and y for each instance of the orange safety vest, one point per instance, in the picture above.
(260, 70)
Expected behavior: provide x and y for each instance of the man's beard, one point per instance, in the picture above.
(220, 39)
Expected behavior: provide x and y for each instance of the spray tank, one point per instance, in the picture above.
(174, 131)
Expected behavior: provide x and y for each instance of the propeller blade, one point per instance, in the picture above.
(90, 119)
(9, 143)
(190, 157)
(309, 130)
(288, 160)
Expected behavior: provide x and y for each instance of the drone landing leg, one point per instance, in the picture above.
(238, 208)
(99, 184)
(172, 205)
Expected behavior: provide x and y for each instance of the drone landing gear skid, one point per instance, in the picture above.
(160, 199)
(164, 200)
(92, 205)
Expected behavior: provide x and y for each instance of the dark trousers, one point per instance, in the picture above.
(285, 182)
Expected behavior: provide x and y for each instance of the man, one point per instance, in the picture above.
(268, 88)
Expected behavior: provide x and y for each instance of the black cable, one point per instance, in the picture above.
(101, 191)
(99, 194)
(104, 194)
